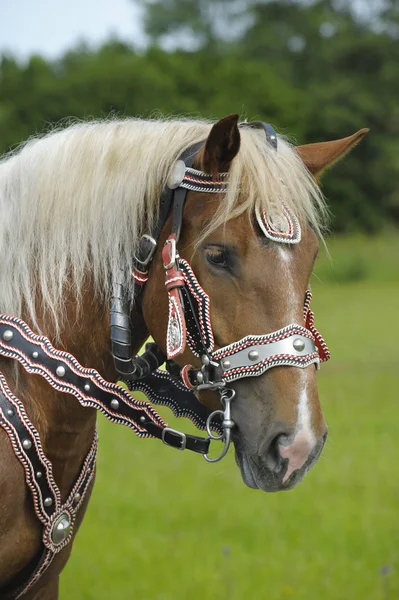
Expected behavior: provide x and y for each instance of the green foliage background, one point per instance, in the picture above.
(314, 70)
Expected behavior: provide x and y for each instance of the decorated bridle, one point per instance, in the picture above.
(189, 323)
(189, 318)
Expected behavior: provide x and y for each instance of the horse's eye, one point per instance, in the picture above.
(217, 258)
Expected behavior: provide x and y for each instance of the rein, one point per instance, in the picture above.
(189, 323)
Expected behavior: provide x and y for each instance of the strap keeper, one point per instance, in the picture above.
(169, 253)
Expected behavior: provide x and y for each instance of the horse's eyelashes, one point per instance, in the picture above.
(218, 257)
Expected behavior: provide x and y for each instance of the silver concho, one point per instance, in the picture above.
(283, 227)
(176, 175)
(61, 529)
(174, 331)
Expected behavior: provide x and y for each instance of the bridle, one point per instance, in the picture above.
(189, 320)
(189, 323)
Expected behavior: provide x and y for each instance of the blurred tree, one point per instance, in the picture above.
(338, 60)
(316, 70)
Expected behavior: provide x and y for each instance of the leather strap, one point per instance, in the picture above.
(65, 374)
(179, 197)
(46, 496)
(270, 133)
(163, 388)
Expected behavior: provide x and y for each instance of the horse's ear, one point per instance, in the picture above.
(222, 145)
(320, 156)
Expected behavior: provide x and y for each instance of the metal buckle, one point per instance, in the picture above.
(226, 396)
(179, 434)
(151, 250)
(173, 253)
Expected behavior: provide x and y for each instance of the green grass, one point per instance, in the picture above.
(358, 258)
(164, 525)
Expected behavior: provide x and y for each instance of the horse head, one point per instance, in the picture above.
(257, 282)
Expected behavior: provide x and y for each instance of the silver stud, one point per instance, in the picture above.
(8, 335)
(61, 529)
(299, 344)
(142, 418)
(48, 501)
(114, 404)
(35, 354)
(60, 371)
(253, 355)
(226, 364)
(200, 377)
(27, 444)
(76, 497)
(10, 412)
(176, 175)
(87, 387)
(39, 474)
(205, 360)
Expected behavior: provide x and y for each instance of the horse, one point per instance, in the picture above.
(200, 234)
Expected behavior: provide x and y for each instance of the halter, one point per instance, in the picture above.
(189, 323)
(189, 318)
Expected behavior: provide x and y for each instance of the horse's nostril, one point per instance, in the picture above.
(274, 460)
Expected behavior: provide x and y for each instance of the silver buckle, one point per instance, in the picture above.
(172, 242)
(145, 262)
(179, 434)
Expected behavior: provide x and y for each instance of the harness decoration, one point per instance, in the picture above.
(189, 323)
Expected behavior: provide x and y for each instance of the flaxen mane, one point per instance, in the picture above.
(78, 199)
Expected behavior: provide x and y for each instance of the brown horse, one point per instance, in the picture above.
(74, 207)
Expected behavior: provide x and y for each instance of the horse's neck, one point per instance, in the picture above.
(65, 427)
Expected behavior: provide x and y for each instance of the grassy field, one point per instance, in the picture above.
(164, 525)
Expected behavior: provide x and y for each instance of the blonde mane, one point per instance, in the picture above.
(79, 198)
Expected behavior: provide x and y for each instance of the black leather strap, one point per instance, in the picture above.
(125, 364)
(180, 194)
(166, 389)
(38, 356)
(271, 135)
(15, 422)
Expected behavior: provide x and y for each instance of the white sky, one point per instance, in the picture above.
(49, 27)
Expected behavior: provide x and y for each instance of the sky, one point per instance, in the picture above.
(49, 27)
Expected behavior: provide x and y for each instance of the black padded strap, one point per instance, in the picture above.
(15, 422)
(65, 374)
(166, 389)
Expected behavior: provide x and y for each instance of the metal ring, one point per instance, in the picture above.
(211, 435)
(224, 451)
